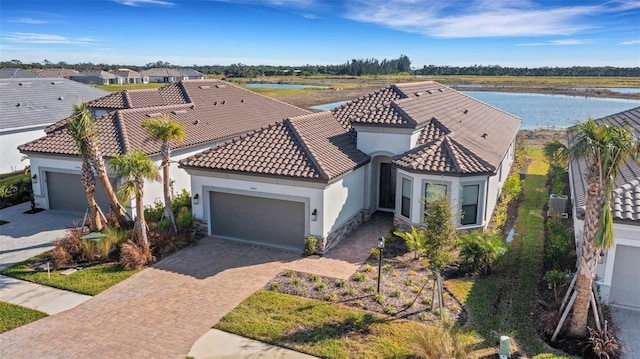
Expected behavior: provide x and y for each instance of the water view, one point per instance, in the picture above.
(539, 110)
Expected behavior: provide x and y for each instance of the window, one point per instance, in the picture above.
(433, 191)
(470, 204)
(405, 206)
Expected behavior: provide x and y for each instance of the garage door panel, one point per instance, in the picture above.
(257, 219)
(66, 192)
(625, 281)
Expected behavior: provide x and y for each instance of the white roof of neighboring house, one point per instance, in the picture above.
(41, 101)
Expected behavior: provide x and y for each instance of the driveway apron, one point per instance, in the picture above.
(161, 311)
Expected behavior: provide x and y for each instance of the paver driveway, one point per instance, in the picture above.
(161, 311)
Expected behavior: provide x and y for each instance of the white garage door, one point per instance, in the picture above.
(625, 283)
(66, 192)
(268, 221)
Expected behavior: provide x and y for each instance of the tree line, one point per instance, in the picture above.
(354, 67)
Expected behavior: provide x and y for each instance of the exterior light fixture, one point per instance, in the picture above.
(381, 248)
(601, 258)
(196, 199)
(34, 178)
(314, 215)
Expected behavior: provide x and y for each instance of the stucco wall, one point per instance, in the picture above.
(342, 200)
(388, 140)
(10, 159)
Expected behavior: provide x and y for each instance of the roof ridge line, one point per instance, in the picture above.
(184, 91)
(126, 98)
(310, 153)
(404, 115)
(454, 154)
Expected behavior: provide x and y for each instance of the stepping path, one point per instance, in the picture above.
(162, 311)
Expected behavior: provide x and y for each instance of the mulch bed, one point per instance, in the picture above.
(405, 288)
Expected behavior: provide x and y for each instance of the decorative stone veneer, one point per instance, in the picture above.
(325, 244)
(201, 227)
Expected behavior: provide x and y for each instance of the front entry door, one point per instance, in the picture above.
(387, 194)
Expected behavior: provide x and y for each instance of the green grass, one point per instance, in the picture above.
(13, 316)
(279, 93)
(90, 281)
(504, 303)
(319, 328)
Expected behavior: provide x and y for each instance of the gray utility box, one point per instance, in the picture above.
(557, 204)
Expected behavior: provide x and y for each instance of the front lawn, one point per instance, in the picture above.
(323, 329)
(13, 316)
(91, 280)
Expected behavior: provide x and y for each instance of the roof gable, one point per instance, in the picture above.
(313, 146)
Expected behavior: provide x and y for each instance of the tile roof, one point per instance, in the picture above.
(59, 72)
(210, 110)
(626, 194)
(313, 146)
(479, 135)
(40, 101)
(16, 73)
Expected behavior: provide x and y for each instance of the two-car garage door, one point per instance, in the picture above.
(274, 222)
(65, 192)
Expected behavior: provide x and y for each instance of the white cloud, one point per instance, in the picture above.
(476, 18)
(566, 42)
(140, 3)
(28, 20)
(630, 42)
(33, 38)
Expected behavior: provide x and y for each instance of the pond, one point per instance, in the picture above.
(540, 110)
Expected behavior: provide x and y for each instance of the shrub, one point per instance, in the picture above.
(478, 251)
(396, 293)
(409, 303)
(181, 200)
(340, 283)
(162, 240)
(512, 188)
(295, 281)
(289, 273)
(604, 344)
(556, 281)
(314, 278)
(185, 218)
(360, 277)
(331, 297)
(274, 287)
(380, 298)
(310, 245)
(350, 292)
(369, 289)
(387, 267)
(68, 249)
(133, 255)
(375, 253)
(369, 268)
(390, 309)
(561, 249)
(320, 287)
(409, 281)
(154, 212)
(446, 341)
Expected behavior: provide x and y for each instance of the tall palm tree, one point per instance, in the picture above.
(605, 148)
(165, 130)
(92, 147)
(134, 167)
(78, 128)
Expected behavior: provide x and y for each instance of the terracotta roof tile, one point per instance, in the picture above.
(313, 146)
(210, 110)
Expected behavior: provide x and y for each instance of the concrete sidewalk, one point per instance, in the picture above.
(39, 297)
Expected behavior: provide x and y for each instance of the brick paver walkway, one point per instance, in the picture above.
(161, 311)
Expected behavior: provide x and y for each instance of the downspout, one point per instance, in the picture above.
(486, 200)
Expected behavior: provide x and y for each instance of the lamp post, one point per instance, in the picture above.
(381, 248)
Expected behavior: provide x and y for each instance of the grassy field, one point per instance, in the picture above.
(115, 88)
(13, 316)
(90, 281)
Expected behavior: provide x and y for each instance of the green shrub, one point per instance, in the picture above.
(340, 283)
(183, 199)
(369, 289)
(314, 278)
(390, 309)
(320, 287)
(478, 251)
(185, 218)
(556, 281)
(310, 245)
(274, 287)
(360, 277)
(512, 187)
(154, 212)
(409, 281)
(295, 281)
(331, 297)
(350, 292)
(396, 293)
(387, 267)
(560, 252)
(556, 176)
(380, 298)
(369, 268)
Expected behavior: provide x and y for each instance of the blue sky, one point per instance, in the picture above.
(521, 33)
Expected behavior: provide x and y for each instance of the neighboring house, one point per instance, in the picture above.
(618, 274)
(55, 73)
(95, 77)
(126, 76)
(28, 105)
(162, 75)
(263, 171)
(323, 174)
(15, 73)
(211, 111)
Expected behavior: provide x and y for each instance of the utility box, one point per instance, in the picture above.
(557, 204)
(505, 347)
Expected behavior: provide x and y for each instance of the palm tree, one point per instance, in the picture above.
(84, 118)
(134, 167)
(605, 148)
(165, 130)
(78, 128)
